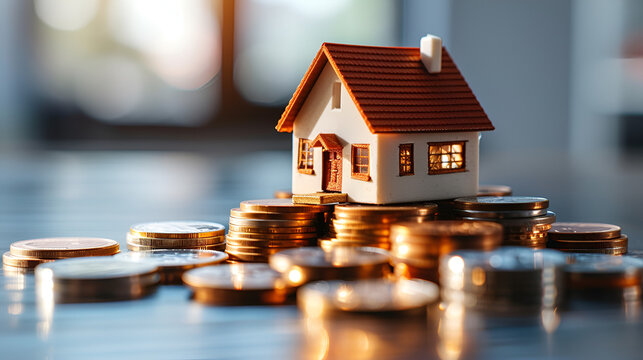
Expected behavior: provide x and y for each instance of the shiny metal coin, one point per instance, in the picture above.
(178, 229)
(22, 261)
(494, 190)
(583, 231)
(168, 243)
(64, 247)
(282, 206)
(500, 214)
(501, 203)
(366, 296)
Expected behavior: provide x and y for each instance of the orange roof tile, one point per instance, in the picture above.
(327, 141)
(393, 90)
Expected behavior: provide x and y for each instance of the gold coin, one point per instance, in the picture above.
(282, 206)
(500, 203)
(328, 244)
(294, 236)
(353, 210)
(583, 231)
(178, 229)
(247, 257)
(272, 230)
(135, 247)
(267, 243)
(258, 250)
(242, 214)
(272, 223)
(64, 247)
(238, 284)
(22, 261)
(174, 243)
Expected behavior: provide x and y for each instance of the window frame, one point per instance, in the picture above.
(411, 160)
(463, 143)
(303, 166)
(336, 96)
(360, 175)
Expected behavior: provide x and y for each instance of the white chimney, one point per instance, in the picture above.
(431, 53)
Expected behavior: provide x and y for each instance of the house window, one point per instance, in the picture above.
(360, 160)
(406, 159)
(446, 157)
(305, 164)
(337, 95)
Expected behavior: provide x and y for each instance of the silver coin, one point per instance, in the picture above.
(178, 228)
(171, 258)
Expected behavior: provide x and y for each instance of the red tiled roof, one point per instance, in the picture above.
(393, 90)
(327, 141)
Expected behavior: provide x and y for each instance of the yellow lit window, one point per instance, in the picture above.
(360, 161)
(406, 159)
(446, 157)
(305, 164)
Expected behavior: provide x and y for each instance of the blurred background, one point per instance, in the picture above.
(153, 101)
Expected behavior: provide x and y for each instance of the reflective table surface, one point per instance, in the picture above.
(92, 193)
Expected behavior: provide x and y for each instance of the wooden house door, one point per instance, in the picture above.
(332, 170)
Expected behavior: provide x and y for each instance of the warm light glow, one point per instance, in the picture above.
(478, 276)
(344, 294)
(456, 265)
(68, 15)
(295, 276)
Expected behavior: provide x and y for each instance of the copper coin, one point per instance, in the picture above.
(507, 214)
(336, 258)
(238, 283)
(242, 214)
(494, 190)
(282, 194)
(588, 244)
(272, 230)
(174, 243)
(136, 247)
(178, 229)
(267, 243)
(583, 231)
(601, 270)
(367, 296)
(447, 228)
(22, 261)
(500, 203)
(272, 223)
(64, 247)
(295, 236)
(607, 251)
(352, 211)
(282, 206)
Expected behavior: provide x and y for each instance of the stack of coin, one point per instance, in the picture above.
(92, 279)
(176, 235)
(601, 277)
(307, 264)
(366, 296)
(416, 248)
(260, 228)
(505, 279)
(172, 263)
(238, 284)
(525, 219)
(27, 254)
(369, 225)
(494, 190)
(587, 238)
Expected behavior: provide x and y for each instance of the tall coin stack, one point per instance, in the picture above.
(27, 254)
(525, 219)
(416, 248)
(587, 238)
(600, 277)
(260, 228)
(369, 225)
(176, 235)
(508, 279)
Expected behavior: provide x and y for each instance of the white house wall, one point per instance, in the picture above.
(317, 117)
(422, 186)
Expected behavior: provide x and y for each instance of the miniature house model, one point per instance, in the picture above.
(385, 125)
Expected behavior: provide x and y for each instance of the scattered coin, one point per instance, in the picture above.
(238, 284)
(9, 259)
(64, 247)
(366, 296)
(307, 264)
(178, 229)
(94, 279)
(172, 263)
